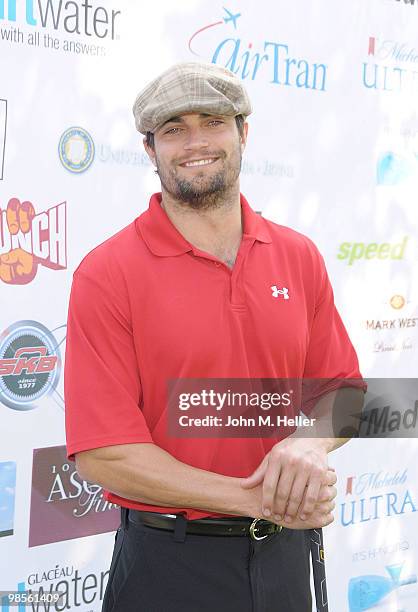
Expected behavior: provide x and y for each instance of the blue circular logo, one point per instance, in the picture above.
(76, 149)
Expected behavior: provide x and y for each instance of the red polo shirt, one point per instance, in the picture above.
(147, 306)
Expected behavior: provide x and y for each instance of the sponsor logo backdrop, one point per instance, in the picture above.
(333, 153)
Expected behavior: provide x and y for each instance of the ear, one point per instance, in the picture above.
(150, 151)
(244, 136)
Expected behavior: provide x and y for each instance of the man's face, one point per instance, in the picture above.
(198, 158)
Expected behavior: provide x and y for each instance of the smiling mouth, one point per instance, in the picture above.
(199, 162)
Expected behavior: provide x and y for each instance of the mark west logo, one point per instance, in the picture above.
(28, 239)
(30, 364)
(77, 17)
(3, 125)
(379, 324)
(396, 340)
(269, 60)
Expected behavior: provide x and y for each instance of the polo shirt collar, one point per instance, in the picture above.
(163, 239)
(254, 225)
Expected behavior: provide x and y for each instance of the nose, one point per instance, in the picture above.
(196, 139)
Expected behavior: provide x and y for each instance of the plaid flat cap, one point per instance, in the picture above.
(190, 87)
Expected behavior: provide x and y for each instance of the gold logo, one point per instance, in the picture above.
(397, 302)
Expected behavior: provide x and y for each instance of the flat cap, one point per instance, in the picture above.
(190, 87)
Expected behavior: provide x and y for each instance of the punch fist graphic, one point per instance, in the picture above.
(17, 267)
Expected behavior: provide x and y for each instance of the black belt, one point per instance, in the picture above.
(257, 529)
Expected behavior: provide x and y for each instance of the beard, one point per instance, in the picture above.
(203, 191)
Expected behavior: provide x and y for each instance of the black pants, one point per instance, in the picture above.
(152, 572)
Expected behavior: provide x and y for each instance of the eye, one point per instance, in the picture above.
(215, 122)
(173, 130)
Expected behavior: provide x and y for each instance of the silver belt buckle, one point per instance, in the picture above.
(253, 530)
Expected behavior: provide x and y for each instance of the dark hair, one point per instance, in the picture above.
(239, 120)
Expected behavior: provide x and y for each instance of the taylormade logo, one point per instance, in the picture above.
(76, 17)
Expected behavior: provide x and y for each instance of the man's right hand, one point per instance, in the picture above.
(320, 517)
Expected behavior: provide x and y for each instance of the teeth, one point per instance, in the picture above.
(199, 162)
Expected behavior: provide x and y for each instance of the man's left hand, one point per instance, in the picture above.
(292, 474)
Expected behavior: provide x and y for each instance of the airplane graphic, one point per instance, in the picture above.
(231, 17)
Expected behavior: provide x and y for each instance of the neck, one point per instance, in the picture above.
(215, 229)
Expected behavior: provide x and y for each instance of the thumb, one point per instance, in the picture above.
(257, 476)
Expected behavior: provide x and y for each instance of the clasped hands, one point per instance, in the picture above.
(296, 485)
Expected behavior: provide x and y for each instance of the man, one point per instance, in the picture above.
(190, 290)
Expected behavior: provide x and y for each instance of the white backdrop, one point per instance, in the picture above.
(332, 152)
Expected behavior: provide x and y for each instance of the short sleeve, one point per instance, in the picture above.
(102, 382)
(331, 361)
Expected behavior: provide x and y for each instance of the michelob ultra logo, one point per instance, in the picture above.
(28, 239)
(353, 251)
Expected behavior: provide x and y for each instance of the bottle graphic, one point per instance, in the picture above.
(366, 591)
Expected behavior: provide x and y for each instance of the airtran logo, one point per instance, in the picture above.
(72, 17)
(269, 60)
(353, 251)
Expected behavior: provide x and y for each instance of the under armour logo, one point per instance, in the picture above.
(276, 292)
